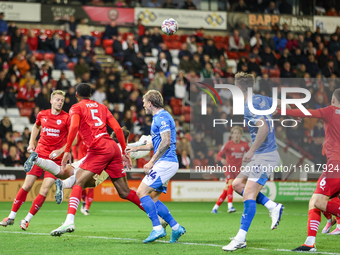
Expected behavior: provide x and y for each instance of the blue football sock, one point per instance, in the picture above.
(150, 209)
(248, 214)
(260, 199)
(164, 212)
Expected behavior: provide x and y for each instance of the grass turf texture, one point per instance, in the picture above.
(119, 228)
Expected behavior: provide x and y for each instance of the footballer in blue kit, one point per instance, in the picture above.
(262, 158)
(161, 167)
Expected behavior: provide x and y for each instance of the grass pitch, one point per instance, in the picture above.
(119, 228)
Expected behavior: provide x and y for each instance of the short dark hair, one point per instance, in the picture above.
(84, 90)
(336, 94)
(126, 133)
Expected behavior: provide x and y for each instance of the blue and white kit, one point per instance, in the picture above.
(167, 165)
(266, 157)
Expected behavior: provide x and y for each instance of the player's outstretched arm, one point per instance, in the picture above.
(56, 153)
(261, 136)
(34, 134)
(146, 147)
(299, 113)
(163, 146)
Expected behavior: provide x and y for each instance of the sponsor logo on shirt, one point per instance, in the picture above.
(237, 154)
(337, 111)
(51, 131)
(163, 123)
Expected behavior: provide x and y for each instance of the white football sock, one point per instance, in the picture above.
(216, 207)
(338, 226)
(241, 235)
(230, 205)
(69, 219)
(69, 182)
(139, 143)
(330, 220)
(158, 228)
(175, 227)
(29, 217)
(310, 240)
(12, 215)
(48, 165)
(270, 205)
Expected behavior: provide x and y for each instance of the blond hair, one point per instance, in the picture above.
(236, 128)
(155, 97)
(58, 92)
(244, 81)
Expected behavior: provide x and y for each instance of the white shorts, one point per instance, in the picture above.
(160, 175)
(261, 166)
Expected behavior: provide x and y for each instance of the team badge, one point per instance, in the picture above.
(58, 122)
(242, 148)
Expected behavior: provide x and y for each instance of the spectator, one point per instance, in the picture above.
(333, 45)
(4, 151)
(130, 40)
(111, 30)
(267, 41)
(256, 41)
(286, 71)
(121, 92)
(285, 30)
(162, 63)
(169, 5)
(32, 40)
(302, 42)
(118, 48)
(207, 71)
(312, 66)
(9, 99)
(26, 93)
(27, 78)
(16, 38)
(61, 60)
(184, 160)
(71, 26)
(184, 51)
(63, 83)
(329, 69)
(241, 7)
(316, 34)
(158, 81)
(95, 68)
(4, 44)
(165, 50)
(211, 50)
(266, 85)
(244, 32)
(81, 68)
(292, 44)
(21, 46)
(140, 29)
(74, 50)
(285, 7)
(180, 85)
(11, 28)
(272, 9)
(191, 43)
(43, 99)
(280, 42)
(332, 12)
(310, 49)
(295, 134)
(145, 47)
(268, 59)
(236, 42)
(21, 62)
(168, 89)
(70, 99)
(320, 101)
(253, 66)
(5, 126)
(26, 135)
(85, 32)
(3, 24)
(13, 158)
(285, 57)
(44, 76)
(185, 64)
(87, 51)
(200, 147)
(45, 44)
(156, 37)
(300, 73)
(189, 5)
(153, 4)
(99, 95)
(57, 42)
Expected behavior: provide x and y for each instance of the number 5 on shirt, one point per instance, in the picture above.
(99, 122)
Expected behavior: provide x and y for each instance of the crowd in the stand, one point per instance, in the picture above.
(311, 56)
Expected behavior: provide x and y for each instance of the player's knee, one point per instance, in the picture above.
(124, 194)
(312, 203)
(27, 187)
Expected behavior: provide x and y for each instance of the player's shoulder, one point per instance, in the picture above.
(260, 100)
(164, 115)
(45, 112)
(243, 143)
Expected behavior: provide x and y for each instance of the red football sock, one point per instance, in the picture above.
(327, 215)
(89, 198)
(222, 197)
(19, 199)
(314, 219)
(333, 207)
(338, 220)
(135, 199)
(230, 194)
(37, 203)
(83, 195)
(74, 199)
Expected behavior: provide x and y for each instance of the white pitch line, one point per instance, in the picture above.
(160, 241)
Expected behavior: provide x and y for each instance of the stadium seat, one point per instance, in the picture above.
(60, 32)
(107, 43)
(277, 56)
(13, 112)
(174, 69)
(218, 38)
(274, 73)
(141, 162)
(149, 59)
(19, 120)
(29, 105)
(204, 162)
(175, 61)
(154, 52)
(226, 39)
(232, 55)
(174, 38)
(174, 53)
(49, 56)
(175, 102)
(19, 105)
(197, 162)
(168, 44)
(56, 74)
(220, 45)
(54, 83)
(26, 112)
(19, 128)
(176, 45)
(187, 117)
(49, 32)
(36, 31)
(95, 33)
(108, 50)
(8, 39)
(243, 54)
(165, 37)
(2, 112)
(39, 56)
(69, 74)
(24, 31)
(177, 110)
(183, 38)
(186, 109)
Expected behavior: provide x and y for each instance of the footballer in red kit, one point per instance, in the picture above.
(328, 185)
(90, 119)
(53, 125)
(233, 151)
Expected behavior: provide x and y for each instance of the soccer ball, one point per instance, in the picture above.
(169, 26)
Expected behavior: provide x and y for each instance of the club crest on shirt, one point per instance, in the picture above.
(242, 148)
(58, 122)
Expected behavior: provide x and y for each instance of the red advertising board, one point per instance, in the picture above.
(103, 15)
